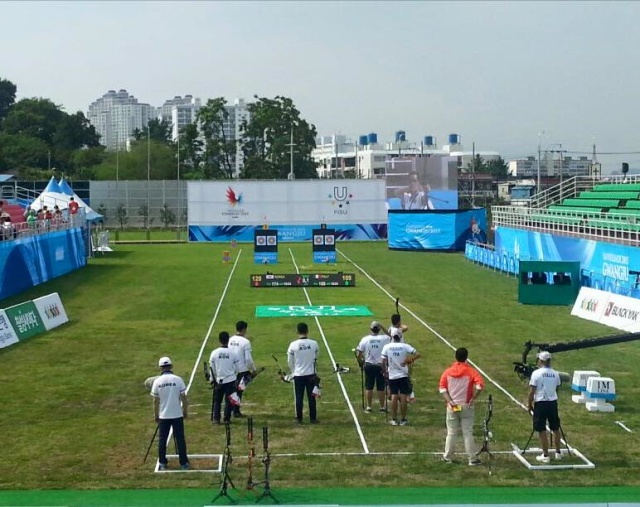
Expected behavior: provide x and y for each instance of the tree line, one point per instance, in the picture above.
(37, 137)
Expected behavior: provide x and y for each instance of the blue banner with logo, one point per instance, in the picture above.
(286, 233)
(436, 230)
(605, 266)
(30, 261)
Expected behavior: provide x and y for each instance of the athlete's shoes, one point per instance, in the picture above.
(185, 466)
(543, 459)
(383, 409)
(368, 409)
(393, 422)
(474, 462)
(403, 422)
(162, 466)
(557, 455)
(314, 421)
(447, 460)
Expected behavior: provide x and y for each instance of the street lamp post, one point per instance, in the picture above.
(539, 148)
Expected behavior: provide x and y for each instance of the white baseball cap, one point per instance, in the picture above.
(375, 324)
(164, 361)
(544, 355)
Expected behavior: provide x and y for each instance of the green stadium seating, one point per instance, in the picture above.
(592, 203)
(632, 204)
(590, 194)
(559, 208)
(617, 187)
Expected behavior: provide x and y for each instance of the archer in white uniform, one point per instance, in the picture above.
(170, 409)
(301, 356)
(241, 345)
(396, 358)
(224, 371)
(369, 352)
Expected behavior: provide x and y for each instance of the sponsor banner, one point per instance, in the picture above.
(52, 313)
(312, 311)
(243, 202)
(623, 313)
(610, 267)
(436, 230)
(265, 257)
(7, 335)
(324, 257)
(590, 304)
(286, 233)
(25, 320)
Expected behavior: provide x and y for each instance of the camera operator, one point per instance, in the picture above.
(224, 370)
(170, 408)
(396, 358)
(301, 356)
(241, 345)
(543, 402)
(369, 352)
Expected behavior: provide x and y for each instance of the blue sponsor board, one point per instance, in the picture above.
(324, 257)
(488, 256)
(286, 233)
(436, 230)
(605, 266)
(265, 257)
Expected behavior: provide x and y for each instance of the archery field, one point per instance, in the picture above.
(77, 419)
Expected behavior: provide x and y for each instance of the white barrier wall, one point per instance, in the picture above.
(239, 202)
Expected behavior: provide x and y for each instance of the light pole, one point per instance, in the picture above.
(539, 148)
(292, 175)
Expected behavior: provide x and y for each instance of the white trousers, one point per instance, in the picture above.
(460, 422)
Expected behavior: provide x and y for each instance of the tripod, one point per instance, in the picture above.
(266, 461)
(227, 459)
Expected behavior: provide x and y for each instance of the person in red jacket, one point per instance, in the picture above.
(460, 385)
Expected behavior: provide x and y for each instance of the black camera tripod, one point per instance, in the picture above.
(227, 459)
(266, 461)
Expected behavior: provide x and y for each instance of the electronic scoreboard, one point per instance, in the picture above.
(303, 280)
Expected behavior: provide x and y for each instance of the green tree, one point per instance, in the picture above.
(267, 136)
(22, 152)
(219, 151)
(158, 130)
(167, 216)
(143, 212)
(498, 168)
(133, 164)
(191, 152)
(121, 215)
(476, 165)
(7, 97)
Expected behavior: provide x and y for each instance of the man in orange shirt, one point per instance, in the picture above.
(460, 385)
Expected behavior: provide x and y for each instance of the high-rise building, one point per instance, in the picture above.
(237, 114)
(179, 112)
(116, 115)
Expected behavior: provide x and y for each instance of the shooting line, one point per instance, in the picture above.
(586, 463)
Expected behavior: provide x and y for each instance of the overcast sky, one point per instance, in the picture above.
(497, 73)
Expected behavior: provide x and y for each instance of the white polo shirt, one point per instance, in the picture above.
(224, 365)
(242, 347)
(301, 356)
(371, 347)
(168, 388)
(546, 380)
(395, 354)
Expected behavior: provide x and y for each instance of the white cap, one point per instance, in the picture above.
(164, 361)
(544, 355)
(375, 324)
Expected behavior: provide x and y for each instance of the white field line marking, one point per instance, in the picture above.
(365, 447)
(442, 338)
(381, 453)
(196, 367)
(621, 424)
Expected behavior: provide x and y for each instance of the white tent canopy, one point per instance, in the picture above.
(59, 194)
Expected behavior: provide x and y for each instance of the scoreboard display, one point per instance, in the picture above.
(304, 280)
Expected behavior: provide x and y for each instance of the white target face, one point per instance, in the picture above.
(318, 239)
(271, 240)
(260, 241)
(329, 240)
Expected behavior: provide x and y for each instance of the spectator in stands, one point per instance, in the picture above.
(73, 209)
(3, 213)
(47, 217)
(8, 230)
(31, 219)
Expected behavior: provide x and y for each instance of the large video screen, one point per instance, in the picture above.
(427, 182)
